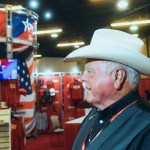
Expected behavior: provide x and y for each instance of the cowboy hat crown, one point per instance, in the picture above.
(117, 46)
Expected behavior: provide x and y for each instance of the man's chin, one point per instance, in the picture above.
(89, 100)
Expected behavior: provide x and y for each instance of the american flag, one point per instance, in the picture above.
(23, 26)
(28, 101)
(24, 77)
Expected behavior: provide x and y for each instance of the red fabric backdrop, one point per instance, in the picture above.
(144, 85)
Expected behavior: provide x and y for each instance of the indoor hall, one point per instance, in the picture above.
(42, 98)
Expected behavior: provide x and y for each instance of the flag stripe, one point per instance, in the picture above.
(32, 77)
(30, 61)
(27, 105)
(28, 112)
(27, 98)
(29, 121)
(32, 86)
(31, 68)
(30, 128)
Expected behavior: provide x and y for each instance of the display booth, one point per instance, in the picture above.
(59, 96)
(48, 101)
(17, 45)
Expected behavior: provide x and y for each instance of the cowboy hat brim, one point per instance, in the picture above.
(118, 54)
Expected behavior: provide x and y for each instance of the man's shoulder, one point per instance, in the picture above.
(141, 141)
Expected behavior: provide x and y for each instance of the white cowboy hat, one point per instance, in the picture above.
(114, 45)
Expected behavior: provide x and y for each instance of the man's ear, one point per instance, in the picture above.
(119, 78)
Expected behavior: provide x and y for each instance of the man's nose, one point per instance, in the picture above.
(83, 76)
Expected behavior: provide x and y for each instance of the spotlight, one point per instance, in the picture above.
(33, 4)
(122, 4)
(54, 35)
(37, 55)
(76, 46)
(134, 28)
(70, 44)
(48, 15)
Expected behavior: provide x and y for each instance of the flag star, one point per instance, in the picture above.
(24, 75)
(23, 64)
(28, 26)
(22, 79)
(23, 71)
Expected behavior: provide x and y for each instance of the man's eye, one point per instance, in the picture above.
(89, 71)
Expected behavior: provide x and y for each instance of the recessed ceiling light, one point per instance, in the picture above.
(48, 15)
(48, 31)
(122, 4)
(54, 35)
(70, 44)
(37, 55)
(76, 46)
(34, 4)
(134, 28)
(141, 22)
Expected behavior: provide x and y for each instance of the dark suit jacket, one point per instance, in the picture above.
(129, 131)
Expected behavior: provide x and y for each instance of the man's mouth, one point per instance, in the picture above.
(88, 88)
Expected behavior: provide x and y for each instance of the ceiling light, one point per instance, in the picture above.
(54, 35)
(134, 28)
(34, 4)
(48, 31)
(37, 55)
(122, 4)
(70, 44)
(76, 46)
(48, 15)
(135, 35)
(130, 23)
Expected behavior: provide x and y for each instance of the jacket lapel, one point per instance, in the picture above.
(112, 127)
(84, 130)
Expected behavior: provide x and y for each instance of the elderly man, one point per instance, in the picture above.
(120, 119)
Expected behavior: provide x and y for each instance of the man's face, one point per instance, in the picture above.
(99, 88)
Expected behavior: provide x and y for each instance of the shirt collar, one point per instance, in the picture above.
(113, 109)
